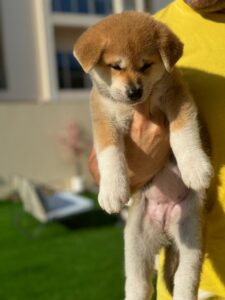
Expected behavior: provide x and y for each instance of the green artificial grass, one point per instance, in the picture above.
(81, 258)
(61, 262)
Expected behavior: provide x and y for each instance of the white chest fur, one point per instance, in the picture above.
(120, 113)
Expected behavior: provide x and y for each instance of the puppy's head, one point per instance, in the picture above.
(126, 54)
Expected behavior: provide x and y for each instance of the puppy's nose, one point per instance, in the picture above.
(134, 93)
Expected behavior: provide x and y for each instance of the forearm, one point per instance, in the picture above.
(146, 149)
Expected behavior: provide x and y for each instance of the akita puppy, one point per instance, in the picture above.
(130, 58)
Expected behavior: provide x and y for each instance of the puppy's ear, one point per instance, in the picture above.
(170, 48)
(88, 49)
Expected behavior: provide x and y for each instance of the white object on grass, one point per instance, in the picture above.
(46, 208)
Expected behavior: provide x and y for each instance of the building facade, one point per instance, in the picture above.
(37, 38)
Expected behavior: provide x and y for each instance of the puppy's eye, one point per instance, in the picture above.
(116, 67)
(145, 66)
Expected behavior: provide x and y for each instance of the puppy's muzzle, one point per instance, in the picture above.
(134, 94)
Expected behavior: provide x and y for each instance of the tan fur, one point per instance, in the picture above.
(130, 58)
(104, 132)
(180, 106)
(117, 29)
(87, 51)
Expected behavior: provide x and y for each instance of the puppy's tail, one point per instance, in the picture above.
(170, 266)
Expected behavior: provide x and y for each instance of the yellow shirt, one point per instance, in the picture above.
(203, 65)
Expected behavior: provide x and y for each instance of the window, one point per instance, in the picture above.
(69, 72)
(102, 7)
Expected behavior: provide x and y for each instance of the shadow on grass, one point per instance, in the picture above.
(31, 228)
(94, 218)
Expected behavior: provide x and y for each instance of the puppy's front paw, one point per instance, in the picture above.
(196, 170)
(113, 195)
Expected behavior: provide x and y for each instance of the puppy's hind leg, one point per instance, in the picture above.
(187, 237)
(139, 257)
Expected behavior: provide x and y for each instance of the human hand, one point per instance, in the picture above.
(146, 147)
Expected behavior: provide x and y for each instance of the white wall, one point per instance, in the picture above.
(29, 139)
